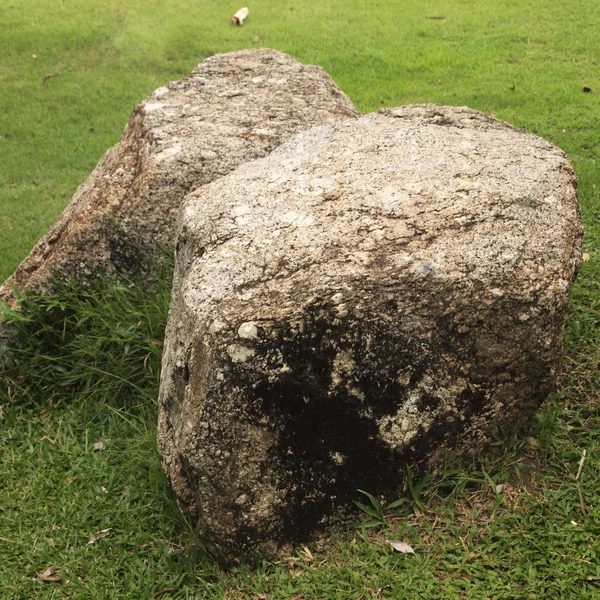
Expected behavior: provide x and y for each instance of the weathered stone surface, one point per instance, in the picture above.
(373, 293)
(233, 108)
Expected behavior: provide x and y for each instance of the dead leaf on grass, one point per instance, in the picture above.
(163, 592)
(401, 546)
(48, 576)
(240, 15)
(98, 536)
(586, 257)
(307, 553)
(98, 446)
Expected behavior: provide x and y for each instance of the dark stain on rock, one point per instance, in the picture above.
(329, 444)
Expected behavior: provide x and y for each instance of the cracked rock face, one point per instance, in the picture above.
(374, 293)
(233, 108)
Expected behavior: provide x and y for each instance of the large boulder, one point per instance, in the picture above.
(374, 293)
(233, 108)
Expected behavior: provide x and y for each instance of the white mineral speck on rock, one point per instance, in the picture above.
(243, 220)
(216, 326)
(297, 219)
(152, 106)
(167, 152)
(240, 210)
(208, 155)
(248, 331)
(342, 310)
(160, 92)
(239, 353)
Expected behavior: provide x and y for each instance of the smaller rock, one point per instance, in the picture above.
(232, 109)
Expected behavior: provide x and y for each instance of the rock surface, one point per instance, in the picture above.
(373, 293)
(233, 108)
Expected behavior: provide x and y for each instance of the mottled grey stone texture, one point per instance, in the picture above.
(373, 293)
(233, 108)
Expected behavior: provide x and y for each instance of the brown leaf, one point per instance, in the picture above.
(163, 592)
(98, 446)
(533, 442)
(98, 536)
(588, 90)
(586, 257)
(48, 576)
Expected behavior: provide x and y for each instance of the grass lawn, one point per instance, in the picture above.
(70, 74)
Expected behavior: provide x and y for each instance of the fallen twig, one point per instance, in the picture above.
(581, 503)
(3, 539)
(572, 558)
(46, 77)
(580, 465)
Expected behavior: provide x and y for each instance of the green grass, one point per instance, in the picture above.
(88, 370)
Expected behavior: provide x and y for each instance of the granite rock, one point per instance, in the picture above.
(374, 293)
